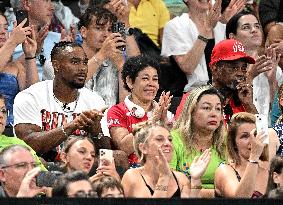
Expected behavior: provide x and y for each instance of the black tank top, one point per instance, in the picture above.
(177, 193)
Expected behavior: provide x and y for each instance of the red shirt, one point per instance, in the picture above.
(120, 116)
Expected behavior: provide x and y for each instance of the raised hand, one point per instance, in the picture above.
(273, 59)
(71, 36)
(234, 7)
(19, 33)
(257, 144)
(40, 36)
(120, 9)
(200, 164)
(30, 44)
(262, 64)
(162, 164)
(28, 187)
(278, 45)
(110, 46)
(161, 108)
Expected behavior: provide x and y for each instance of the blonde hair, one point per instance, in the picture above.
(185, 125)
(142, 131)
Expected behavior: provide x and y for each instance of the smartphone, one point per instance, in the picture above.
(119, 27)
(47, 179)
(262, 126)
(105, 157)
(21, 15)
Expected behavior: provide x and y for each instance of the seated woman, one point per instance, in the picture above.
(16, 76)
(140, 76)
(78, 154)
(275, 178)
(246, 176)
(153, 145)
(200, 127)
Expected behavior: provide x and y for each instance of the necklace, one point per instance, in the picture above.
(67, 107)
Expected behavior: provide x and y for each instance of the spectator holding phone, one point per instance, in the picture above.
(102, 49)
(18, 170)
(16, 76)
(247, 174)
(79, 154)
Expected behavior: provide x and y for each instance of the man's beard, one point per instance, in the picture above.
(76, 85)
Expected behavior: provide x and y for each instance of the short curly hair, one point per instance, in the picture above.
(103, 16)
(136, 64)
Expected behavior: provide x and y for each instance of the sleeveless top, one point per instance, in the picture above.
(255, 195)
(177, 193)
(10, 88)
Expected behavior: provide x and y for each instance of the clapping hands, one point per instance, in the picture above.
(161, 108)
(200, 164)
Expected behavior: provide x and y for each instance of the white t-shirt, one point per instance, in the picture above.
(261, 91)
(37, 105)
(179, 36)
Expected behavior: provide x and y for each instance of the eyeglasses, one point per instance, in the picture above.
(83, 194)
(22, 165)
(4, 111)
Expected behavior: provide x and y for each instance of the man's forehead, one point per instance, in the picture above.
(70, 52)
(13, 157)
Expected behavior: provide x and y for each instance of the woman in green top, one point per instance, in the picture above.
(199, 127)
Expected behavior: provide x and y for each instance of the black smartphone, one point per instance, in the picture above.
(21, 15)
(47, 179)
(119, 27)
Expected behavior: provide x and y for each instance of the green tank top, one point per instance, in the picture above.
(181, 161)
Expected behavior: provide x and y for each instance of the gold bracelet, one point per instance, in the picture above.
(196, 187)
(161, 188)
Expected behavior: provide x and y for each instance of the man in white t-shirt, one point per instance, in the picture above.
(49, 111)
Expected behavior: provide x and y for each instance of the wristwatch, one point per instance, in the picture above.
(129, 31)
(202, 38)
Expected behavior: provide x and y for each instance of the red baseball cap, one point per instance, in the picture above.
(229, 49)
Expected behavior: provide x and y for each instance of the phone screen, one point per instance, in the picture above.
(21, 15)
(47, 179)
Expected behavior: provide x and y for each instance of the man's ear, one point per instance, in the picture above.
(129, 82)
(281, 101)
(55, 65)
(2, 175)
(83, 32)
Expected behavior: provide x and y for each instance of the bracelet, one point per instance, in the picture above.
(200, 37)
(161, 188)
(65, 133)
(96, 61)
(196, 187)
(253, 162)
(29, 58)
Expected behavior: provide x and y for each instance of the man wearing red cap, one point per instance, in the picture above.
(228, 65)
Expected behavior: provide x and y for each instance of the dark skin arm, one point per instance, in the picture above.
(43, 141)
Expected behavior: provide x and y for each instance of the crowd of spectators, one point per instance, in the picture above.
(141, 98)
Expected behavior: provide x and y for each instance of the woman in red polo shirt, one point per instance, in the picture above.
(140, 76)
